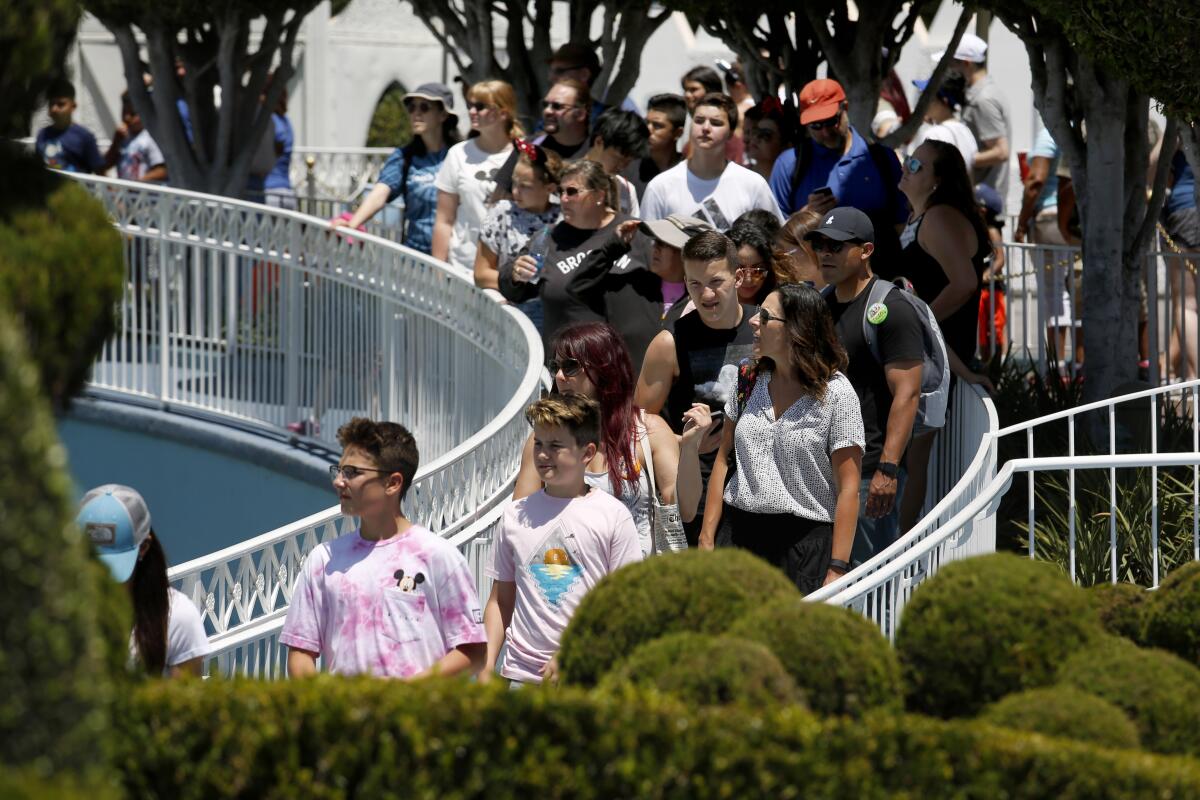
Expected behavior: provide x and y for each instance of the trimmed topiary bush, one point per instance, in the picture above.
(697, 591)
(1066, 712)
(706, 670)
(1173, 614)
(986, 627)
(1159, 691)
(1122, 609)
(840, 661)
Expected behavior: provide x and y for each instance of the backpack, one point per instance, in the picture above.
(935, 367)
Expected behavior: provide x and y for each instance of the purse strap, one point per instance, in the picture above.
(644, 442)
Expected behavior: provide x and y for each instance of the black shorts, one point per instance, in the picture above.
(802, 548)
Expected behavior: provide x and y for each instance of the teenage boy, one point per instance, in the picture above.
(62, 144)
(136, 154)
(888, 386)
(554, 545)
(391, 599)
(709, 185)
(695, 358)
(666, 119)
(618, 137)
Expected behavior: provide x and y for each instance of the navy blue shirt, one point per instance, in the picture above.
(853, 177)
(73, 149)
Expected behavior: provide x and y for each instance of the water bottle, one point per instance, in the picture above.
(539, 245)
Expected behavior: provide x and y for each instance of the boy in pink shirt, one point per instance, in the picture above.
(391, 599)
(554, 545)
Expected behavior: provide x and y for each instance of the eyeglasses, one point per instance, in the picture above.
(753, 272)
(554, 105)
(570, 367)
(765, 316)
(350, 472)
(763, 134)
(827, 245)
(572, 191)
(821, 124)
(913, 165)
(414, 107)
(480, 107)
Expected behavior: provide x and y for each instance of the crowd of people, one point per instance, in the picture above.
(751, 339)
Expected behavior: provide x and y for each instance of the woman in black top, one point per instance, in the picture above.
(945, 253)
(589, 274)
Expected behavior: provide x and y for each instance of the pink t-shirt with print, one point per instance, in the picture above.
(555, 550)
(390, 608)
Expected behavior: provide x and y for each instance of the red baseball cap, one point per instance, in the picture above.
(820, 99)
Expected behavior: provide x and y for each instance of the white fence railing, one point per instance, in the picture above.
(335, 172)
(262, 318)
(1096, 507)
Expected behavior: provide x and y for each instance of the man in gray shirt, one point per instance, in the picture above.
(986, 114)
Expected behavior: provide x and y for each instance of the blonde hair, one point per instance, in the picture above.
(501, 95)
(578, 414)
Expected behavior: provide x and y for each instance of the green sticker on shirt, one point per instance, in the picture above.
(877, 313)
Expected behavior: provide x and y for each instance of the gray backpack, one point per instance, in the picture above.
(935, 370)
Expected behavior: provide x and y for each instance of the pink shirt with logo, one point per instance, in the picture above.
(555, 550)
(389, 608)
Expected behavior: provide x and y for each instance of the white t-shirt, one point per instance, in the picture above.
(186, 638)
(469, 173)
(138, 156)
(720, 200)
(555, 550)
(954, 132)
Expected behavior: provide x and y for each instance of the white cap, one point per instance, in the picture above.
(970, 48)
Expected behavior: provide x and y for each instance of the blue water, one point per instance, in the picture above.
(199, 501)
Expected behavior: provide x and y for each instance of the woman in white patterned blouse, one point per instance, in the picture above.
(797, 437)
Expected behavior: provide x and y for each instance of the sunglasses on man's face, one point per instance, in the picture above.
(822, 124)
(554, 105)
(823, 244)
(414, 107)
(913, 165)
(569, 367)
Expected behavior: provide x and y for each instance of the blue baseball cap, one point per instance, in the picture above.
(115, 519)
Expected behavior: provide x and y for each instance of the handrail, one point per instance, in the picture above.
(1094, 406)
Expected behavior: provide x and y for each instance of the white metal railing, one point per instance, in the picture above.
(262, 318)
(1130, 541)
(335, 172)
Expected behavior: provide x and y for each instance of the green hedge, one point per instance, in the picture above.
(836, 656)
(1122, 609)
(1159, 691)
(334, 738)
(25, 784)
(695, 591)
(706, 671)
(1066, 712)
(1173, 614)
(986, 627)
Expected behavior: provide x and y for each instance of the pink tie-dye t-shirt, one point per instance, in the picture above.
(389, 608)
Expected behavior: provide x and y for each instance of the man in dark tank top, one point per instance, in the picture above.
(695, 359)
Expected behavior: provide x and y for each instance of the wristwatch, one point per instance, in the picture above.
(890, 470)
(837, 563)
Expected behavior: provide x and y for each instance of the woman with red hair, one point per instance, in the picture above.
(591, 359)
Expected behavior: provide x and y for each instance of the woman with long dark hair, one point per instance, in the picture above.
(756, 273)
(410, 170)
(168, 634)
(946, 249)
(797, 435)
(591, 359)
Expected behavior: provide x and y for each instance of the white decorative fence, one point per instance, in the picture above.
(335, 172)
(265, 319)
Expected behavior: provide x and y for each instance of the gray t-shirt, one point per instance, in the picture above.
(986, 114)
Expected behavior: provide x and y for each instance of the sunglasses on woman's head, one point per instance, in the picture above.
(570, 367)
(913, 165)
(413, 107)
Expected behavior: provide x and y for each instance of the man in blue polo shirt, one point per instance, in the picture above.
(835, 166)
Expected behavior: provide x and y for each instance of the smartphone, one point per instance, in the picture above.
(717, 416)
(823, 190)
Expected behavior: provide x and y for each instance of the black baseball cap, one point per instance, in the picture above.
(843, 224)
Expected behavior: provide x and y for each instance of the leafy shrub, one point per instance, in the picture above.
(1122, 609)
(838, 659)
(61, 273)
(1160, 692)
(697, 591)
(986, 627)
(706, 671)
(26, 784)
(54, 685)
(1065, 712)
(333, 737)
(1173, 614)
(34, 38)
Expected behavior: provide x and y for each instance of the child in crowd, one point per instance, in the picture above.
(993, 307)
(391, 599)
(135, 153)
(62, 144)
(554, 545)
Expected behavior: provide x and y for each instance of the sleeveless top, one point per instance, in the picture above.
(708, 359)
(637, 501)
(929, 279)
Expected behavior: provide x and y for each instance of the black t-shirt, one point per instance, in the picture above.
(708, 359)
(900, 339)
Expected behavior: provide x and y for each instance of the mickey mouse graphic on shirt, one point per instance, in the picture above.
(409, 584)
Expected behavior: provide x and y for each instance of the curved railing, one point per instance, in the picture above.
(967, 521)
(335, 172)
(264, 319)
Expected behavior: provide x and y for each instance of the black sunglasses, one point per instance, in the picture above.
(477, 106)
(556, 106)
(412, 106)
(765, 316)
(572, 191)
(570, 367)
(825, 244)
(821, 124)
